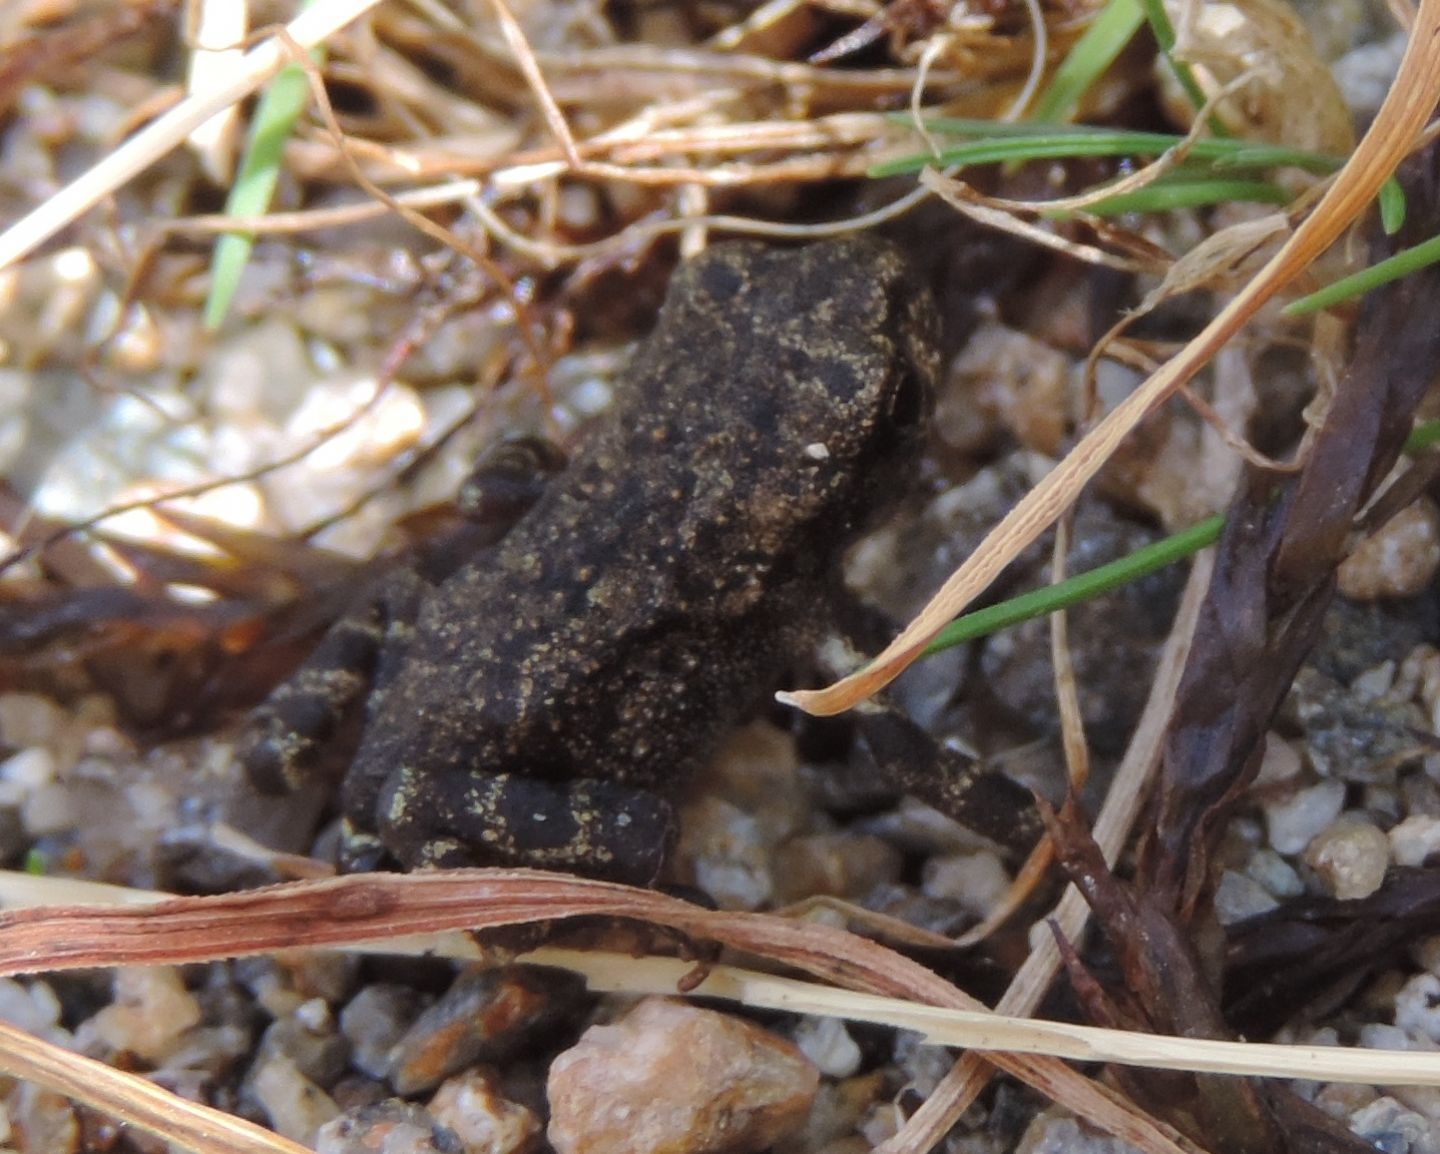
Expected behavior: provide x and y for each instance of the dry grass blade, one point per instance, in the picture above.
(340, 911)
(308, 29)
(1409, 103)
(200, 928)
(135, 1100)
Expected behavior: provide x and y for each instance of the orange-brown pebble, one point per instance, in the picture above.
(671, 1078)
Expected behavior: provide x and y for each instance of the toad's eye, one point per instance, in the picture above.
(909, 402)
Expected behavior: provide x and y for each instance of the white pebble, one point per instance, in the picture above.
(1238, 897)
(1276, 874)
(1350, 857)
(151, 1011)
(1379, 1036)
(828, 1044)
(1417, 1007)
(297, 1108)
(481, 1118)
(1398, 560)
(978, 881)
(29, 769)
(728, 854)
(49, 809)
(34, 1009)
(1294, 820)
(1415, 839)
(1388, 1125)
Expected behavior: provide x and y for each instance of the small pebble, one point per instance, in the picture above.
(33, 1008)
(758, 771)
(1280, 762)
(49, 809)
(1426, 1102)
(29, 769)
(1365, 72)
(841, 1111)
(1010, 377)
(923, 1065)
(486, 1123)
(318, 1052)
(1341, 1099)
(1417, 1007)
(1055, 1132)
(1423, 664)
(1415, 839)
(977, 881)
(27, 719)
(1389, 1126)
(1238, 897)
(1295, 819)
(373, 1021)
(483, 1017)
(152, 1010)
(389, 1127)
(671, 1078)
(1350, 857)
(1375, 682)
(296, 1107)
(318, 975)
(43, 1120)
(842, 865)
(726, 854)
(1276, 874)
(1398, 560)
(828, 1044)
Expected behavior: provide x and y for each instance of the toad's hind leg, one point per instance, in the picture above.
(288, 736)
(962, 788)
(589, 826)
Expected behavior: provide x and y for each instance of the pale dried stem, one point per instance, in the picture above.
(134, 1100)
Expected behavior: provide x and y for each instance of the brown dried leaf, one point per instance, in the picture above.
(1275, 574)
(1278, 963)
(1166, 984)
(1290, 96)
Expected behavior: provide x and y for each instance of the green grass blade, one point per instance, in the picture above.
(279, 107)
(1009, 143)
(1403, 263)
(1164, 33)
(1088, 59)
(1103, 578)
(1392, 206)
(1169, 195)
(1081, 587)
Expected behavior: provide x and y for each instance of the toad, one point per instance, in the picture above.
(539, 702)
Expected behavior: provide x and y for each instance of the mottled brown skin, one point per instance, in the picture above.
(554, 689)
